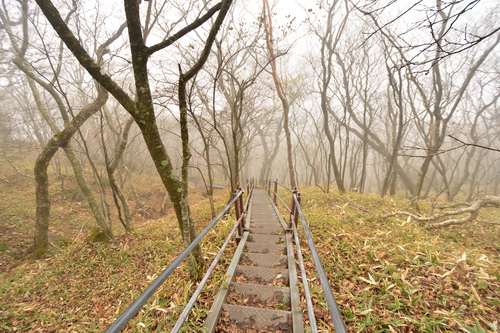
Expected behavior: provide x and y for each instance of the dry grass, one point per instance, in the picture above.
(392, 276)
(85, 285)
(388, 275)
(81, 286)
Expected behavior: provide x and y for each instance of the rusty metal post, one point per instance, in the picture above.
(293, 208)
(242, 214)
(275, 194)
(299, 199)
(237, 211)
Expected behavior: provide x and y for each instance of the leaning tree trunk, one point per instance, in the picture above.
(76, 166)
(141, 105)
(59, 140)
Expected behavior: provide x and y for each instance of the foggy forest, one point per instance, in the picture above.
(249, 166)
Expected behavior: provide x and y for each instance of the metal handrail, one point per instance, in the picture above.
(187, 309)
(307, 290)
(296, 213)
(284, 204)
(338, 322)
(303, 273)
(119, 324)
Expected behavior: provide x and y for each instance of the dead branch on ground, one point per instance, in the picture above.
(453, 217)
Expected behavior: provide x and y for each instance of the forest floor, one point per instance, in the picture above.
(387, 274)
(69, 216)
(81, 285)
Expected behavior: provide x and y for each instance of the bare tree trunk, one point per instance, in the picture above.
(111, 166)
(278, 83)
(362, 179)
(61, 139)
(206, 153)
(187, 228)
(329, 41)
(473, 179)
(310, 164)
(141, 106)
(76, 166)
(275, 150)
(265, 162)
(397, 125)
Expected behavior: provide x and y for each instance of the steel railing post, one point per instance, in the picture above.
(242, 214)
(293, 210)
(237, 211)
(275, 199)
(299, 200)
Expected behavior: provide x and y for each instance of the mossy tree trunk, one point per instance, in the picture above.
(59, 140)
(141, 106)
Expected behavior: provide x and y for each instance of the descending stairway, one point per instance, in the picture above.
(260, 292)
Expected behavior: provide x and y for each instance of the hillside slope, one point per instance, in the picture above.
(387, 274)
(85, 285)
(391, 275)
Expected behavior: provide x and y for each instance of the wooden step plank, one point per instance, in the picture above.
(268, 230)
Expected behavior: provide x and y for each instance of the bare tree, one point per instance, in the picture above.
(280, 89)
(141, 107)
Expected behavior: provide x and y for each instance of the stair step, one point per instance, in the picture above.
(259, 296)
(252, 319)
(273, 229)
(263, 248)
(262, 275)
(263, 224)
(263, 215)
(266, 220)
(261, 238)
(264, 259)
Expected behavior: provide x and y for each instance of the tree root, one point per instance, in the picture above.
(453, 217)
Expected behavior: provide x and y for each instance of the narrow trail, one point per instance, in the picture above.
(260, 291)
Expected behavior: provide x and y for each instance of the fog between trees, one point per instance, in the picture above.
(397, 98)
